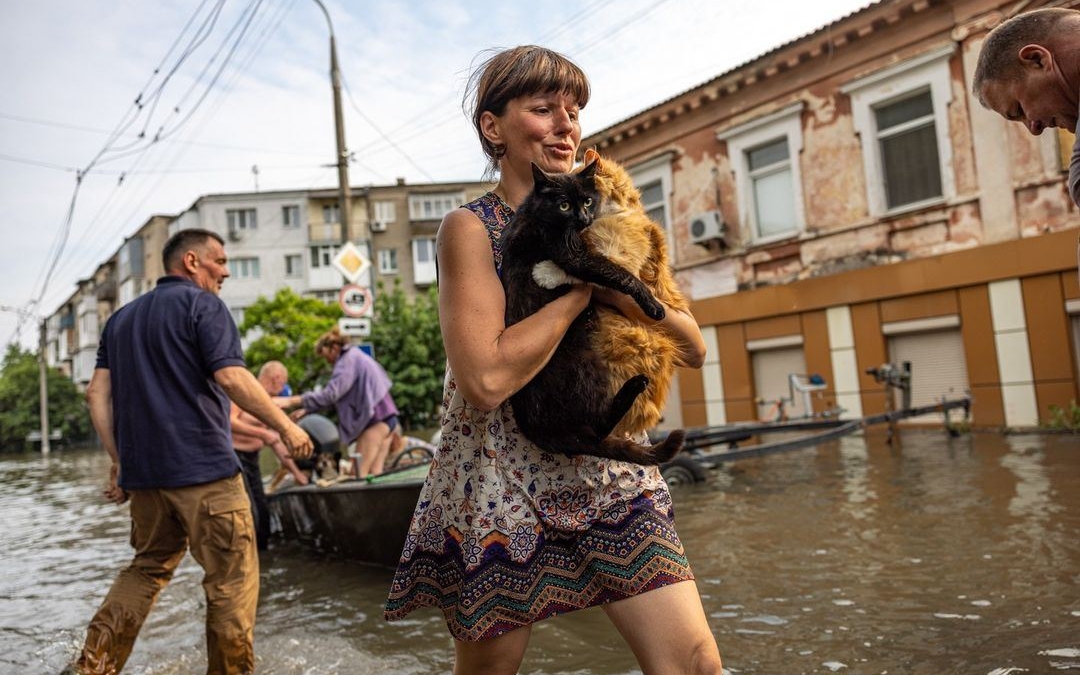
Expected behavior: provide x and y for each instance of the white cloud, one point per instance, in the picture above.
(82, 64)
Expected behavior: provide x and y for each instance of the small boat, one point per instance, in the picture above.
(363, 520)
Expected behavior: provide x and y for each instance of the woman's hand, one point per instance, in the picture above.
(621, 303)
(680, 325)
(113, 492)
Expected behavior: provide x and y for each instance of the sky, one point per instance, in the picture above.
(165, 101)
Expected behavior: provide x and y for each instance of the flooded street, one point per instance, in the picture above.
(940, 556)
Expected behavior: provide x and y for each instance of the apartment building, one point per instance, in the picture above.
(274, 239)
(843, 201)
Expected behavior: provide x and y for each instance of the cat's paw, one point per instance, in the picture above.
(654, 310)
(548, 275)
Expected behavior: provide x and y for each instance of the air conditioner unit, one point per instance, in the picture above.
(378, 226)
(235, 234)
(707, 227)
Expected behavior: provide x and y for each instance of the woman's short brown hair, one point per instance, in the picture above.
(519, 71)
(330, 338)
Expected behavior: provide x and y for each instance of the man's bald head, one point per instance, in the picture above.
(273, 375)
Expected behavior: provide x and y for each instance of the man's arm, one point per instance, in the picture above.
(242, 387)
(99, 400)
(249, 428)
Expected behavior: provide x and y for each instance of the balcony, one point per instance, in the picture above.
(324, 233)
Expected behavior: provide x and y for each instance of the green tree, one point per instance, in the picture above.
(285, 328)
(20, 404)
(407, 342)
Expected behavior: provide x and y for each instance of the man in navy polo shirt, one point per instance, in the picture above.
(167, 366)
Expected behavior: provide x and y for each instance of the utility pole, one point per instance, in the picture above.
(43, 388)
(344, 197)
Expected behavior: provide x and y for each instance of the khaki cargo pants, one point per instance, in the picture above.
(214, 519)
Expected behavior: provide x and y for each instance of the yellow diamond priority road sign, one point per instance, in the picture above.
(351, 262)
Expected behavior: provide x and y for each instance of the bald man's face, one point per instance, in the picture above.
(273, 381)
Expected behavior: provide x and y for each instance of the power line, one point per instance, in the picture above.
(132, 115)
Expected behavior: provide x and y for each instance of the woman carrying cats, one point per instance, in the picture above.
(505, 534)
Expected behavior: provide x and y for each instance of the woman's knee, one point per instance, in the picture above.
(705, 657)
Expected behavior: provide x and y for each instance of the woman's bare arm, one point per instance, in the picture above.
(491, 361)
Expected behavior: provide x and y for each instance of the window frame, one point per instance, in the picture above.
(286, 209)
(424, 272)
(428, 205)
(236, 220)
(741, 139)
(245, 268)
(298, 269)
(930, 71)
(388, 261)
(648, 172)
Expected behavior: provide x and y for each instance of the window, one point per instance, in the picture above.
(386, 212)
(294, 265)
(321, 256)
(237, 315)
(131, 259)
(388, 261)
(770, 180)
(653, 181)
(423, 261)
(901, 116)
(290, 216)
(328, 297)
(240, 219)
(764, 155)
(244, 268)
(331, 213)
(909, 151)
(434, 206)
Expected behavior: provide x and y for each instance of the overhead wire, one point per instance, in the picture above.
(57, 251)
(124, 223)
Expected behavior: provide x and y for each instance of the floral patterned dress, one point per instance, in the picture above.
(506, 534)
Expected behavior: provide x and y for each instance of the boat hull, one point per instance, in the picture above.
(356, 520)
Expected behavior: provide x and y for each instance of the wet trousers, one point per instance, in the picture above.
(260, 510)
(214, 520)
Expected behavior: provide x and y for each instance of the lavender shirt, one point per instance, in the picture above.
(357, 385)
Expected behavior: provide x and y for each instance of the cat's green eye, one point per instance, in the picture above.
(564, 206)
(588, 202)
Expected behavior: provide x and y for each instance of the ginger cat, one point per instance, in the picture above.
(625, 235)
(569, 406)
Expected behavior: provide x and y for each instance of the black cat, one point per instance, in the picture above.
(567, 407)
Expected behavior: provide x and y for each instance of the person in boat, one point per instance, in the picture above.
(359, 390)
(504, 534)
(249, 437)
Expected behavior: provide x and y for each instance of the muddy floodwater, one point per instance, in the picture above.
(937, 556)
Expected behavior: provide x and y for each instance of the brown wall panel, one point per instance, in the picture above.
(818, 357)
(869, 352)
(1060, 393)
(922, 306)
(734, 362)
(1054, 252)
(693, 415)
(987, 409)
(777, 326)
(1048, 332)
(691, 385)
(977, 331)
(742, 410)
(1070, 284)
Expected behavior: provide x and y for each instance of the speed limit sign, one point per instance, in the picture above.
(355, 300)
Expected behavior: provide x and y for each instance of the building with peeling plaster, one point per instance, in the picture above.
(843, 201)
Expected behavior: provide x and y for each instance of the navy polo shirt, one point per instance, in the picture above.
(170, 418)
